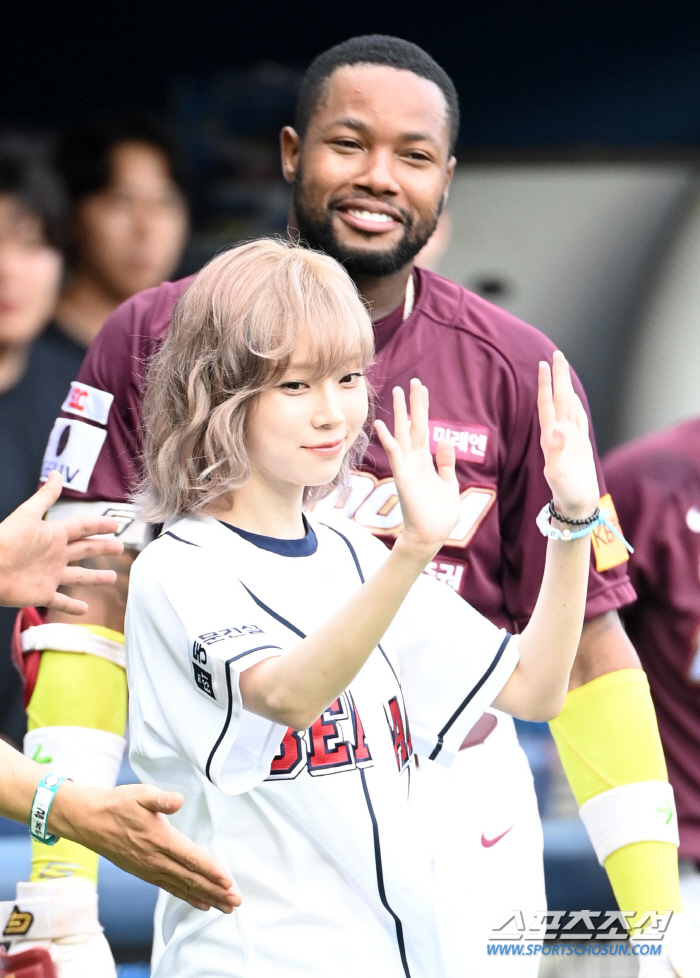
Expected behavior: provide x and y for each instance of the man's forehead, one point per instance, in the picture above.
(379, 95)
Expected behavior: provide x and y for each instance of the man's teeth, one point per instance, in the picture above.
(372, 216)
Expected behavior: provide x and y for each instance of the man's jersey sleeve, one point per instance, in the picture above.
(453, 664)
(96, 440)
(188, 639)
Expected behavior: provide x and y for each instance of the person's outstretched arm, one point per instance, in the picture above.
(296, 687)
(549, 642)
(127, 825)
(35, 553)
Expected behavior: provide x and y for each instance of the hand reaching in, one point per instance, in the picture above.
(35, 553)
(569, 466)
(429, 498)
(128, 826)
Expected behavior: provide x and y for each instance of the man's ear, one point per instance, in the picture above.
(290, 149)
(451, 164)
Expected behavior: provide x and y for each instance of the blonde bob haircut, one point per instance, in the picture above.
(233, 334)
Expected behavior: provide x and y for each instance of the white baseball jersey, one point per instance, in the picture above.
(315, 825)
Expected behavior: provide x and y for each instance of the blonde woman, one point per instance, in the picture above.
(283, 670)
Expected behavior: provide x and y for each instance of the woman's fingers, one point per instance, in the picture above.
(581, 416)
(390, 445)
(411, 433)
(445, 461)
(545, 401)
(564, 395)
(419, 414)
(401, 423)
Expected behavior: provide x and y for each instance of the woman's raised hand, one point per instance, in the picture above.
(429, 499)
(569, 466)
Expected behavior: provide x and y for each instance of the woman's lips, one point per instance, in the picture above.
(327, 449)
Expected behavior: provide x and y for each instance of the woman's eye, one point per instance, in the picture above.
(352, 377)
(294, 385)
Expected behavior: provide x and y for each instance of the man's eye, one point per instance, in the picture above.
(351, 378)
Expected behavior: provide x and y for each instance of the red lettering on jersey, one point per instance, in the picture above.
(328, 750)
(78, 394)
(291, 757)
(323, 749)
(402, 743)
(362, 752)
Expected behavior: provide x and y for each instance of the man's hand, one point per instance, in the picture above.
(128, 826)
(35, 553)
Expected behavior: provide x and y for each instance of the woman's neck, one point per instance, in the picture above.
(259, 507)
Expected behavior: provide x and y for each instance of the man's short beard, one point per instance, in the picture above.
(318, 233)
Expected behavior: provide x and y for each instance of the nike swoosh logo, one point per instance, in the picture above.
(41, 758)
(487, 843)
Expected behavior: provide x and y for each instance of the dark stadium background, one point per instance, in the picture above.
(531, 74)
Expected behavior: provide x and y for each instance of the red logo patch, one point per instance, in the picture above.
(470, 441)
(77, 395)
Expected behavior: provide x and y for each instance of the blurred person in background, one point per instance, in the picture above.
(35, 369)
(129, 218)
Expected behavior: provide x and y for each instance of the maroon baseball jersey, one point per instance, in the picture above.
(656, 482)
(480, 365)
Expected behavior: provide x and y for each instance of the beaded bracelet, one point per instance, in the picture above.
(567, 519)
(553, 533)
(41, 806)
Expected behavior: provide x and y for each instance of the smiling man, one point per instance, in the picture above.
(370, 157)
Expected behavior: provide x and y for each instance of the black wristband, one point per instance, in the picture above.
(565, 519)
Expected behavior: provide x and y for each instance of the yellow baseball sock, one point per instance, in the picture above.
(76, 690)
(607, 737)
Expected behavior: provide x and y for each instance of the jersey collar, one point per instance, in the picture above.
(302, 547)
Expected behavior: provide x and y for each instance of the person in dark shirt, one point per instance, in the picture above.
(129, 218)
(35, 369)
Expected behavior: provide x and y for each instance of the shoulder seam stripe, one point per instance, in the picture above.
(273, 614)
(169, 533)
(229, 710)
(475, 689)
(350, 548)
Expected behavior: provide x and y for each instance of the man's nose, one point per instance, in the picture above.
(379, 173)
